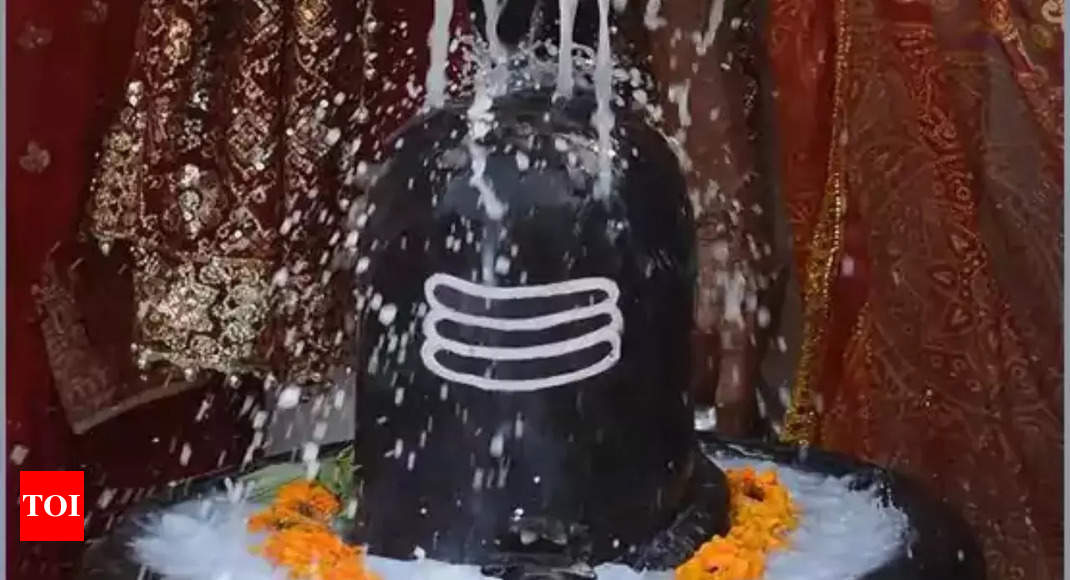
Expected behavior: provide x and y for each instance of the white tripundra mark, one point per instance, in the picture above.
(608, 333)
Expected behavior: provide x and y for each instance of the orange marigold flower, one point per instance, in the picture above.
(300, 503)
(761, 514)
(315, 553)
(308, 498)
(300, 538)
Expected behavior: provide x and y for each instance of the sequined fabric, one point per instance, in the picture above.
(213, 172)
(926, 202)
(221, 183)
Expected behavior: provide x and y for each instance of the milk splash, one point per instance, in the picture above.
(603, 86)
(844, 532)
(491, 81)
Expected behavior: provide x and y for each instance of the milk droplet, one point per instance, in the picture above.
(362, 264)
(104, 500)
(387, 314)
(289, 397)
(501, 265)
(332, 136)
(19, 453)
(310, 452)
(847, 266)
(259, 419)
(497, 445)
(281, 277)
(522, 161)
(763, 317)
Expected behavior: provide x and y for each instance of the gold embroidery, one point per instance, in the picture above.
(33, 37)
(36, 159)
(177, 48)
(1042, 36)
(1052, 11)
(90, 391)
(116, 203)
(199, 203)
(311, 16)
(96, 12)
(200, 313)
(800, 423)
(214, 153)
(83, 386)
(304, 301)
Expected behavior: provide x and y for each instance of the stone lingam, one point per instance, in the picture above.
(523, 272)
(524, 344)
(525, 282)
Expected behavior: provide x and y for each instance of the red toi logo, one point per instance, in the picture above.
(51, 506)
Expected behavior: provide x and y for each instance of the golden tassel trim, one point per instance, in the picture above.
(801, 419)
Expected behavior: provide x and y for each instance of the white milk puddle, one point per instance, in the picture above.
(842, 534)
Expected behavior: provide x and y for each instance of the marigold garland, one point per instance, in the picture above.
(761, 513)
(300, 537)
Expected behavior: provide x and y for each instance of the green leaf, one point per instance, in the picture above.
(269, 479)
(336, 473)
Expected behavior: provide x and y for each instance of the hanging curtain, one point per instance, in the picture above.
(922, 164)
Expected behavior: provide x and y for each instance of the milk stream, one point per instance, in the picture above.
(492, 11)
(650, 16)
(491, 79)
(716, 16)
(438, 39)
(564, 49)
(603, 89)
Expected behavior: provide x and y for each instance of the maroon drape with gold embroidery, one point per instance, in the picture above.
(174, 108)
(922, 165)
(218, 198)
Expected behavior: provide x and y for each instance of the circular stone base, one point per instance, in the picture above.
(936, 542)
